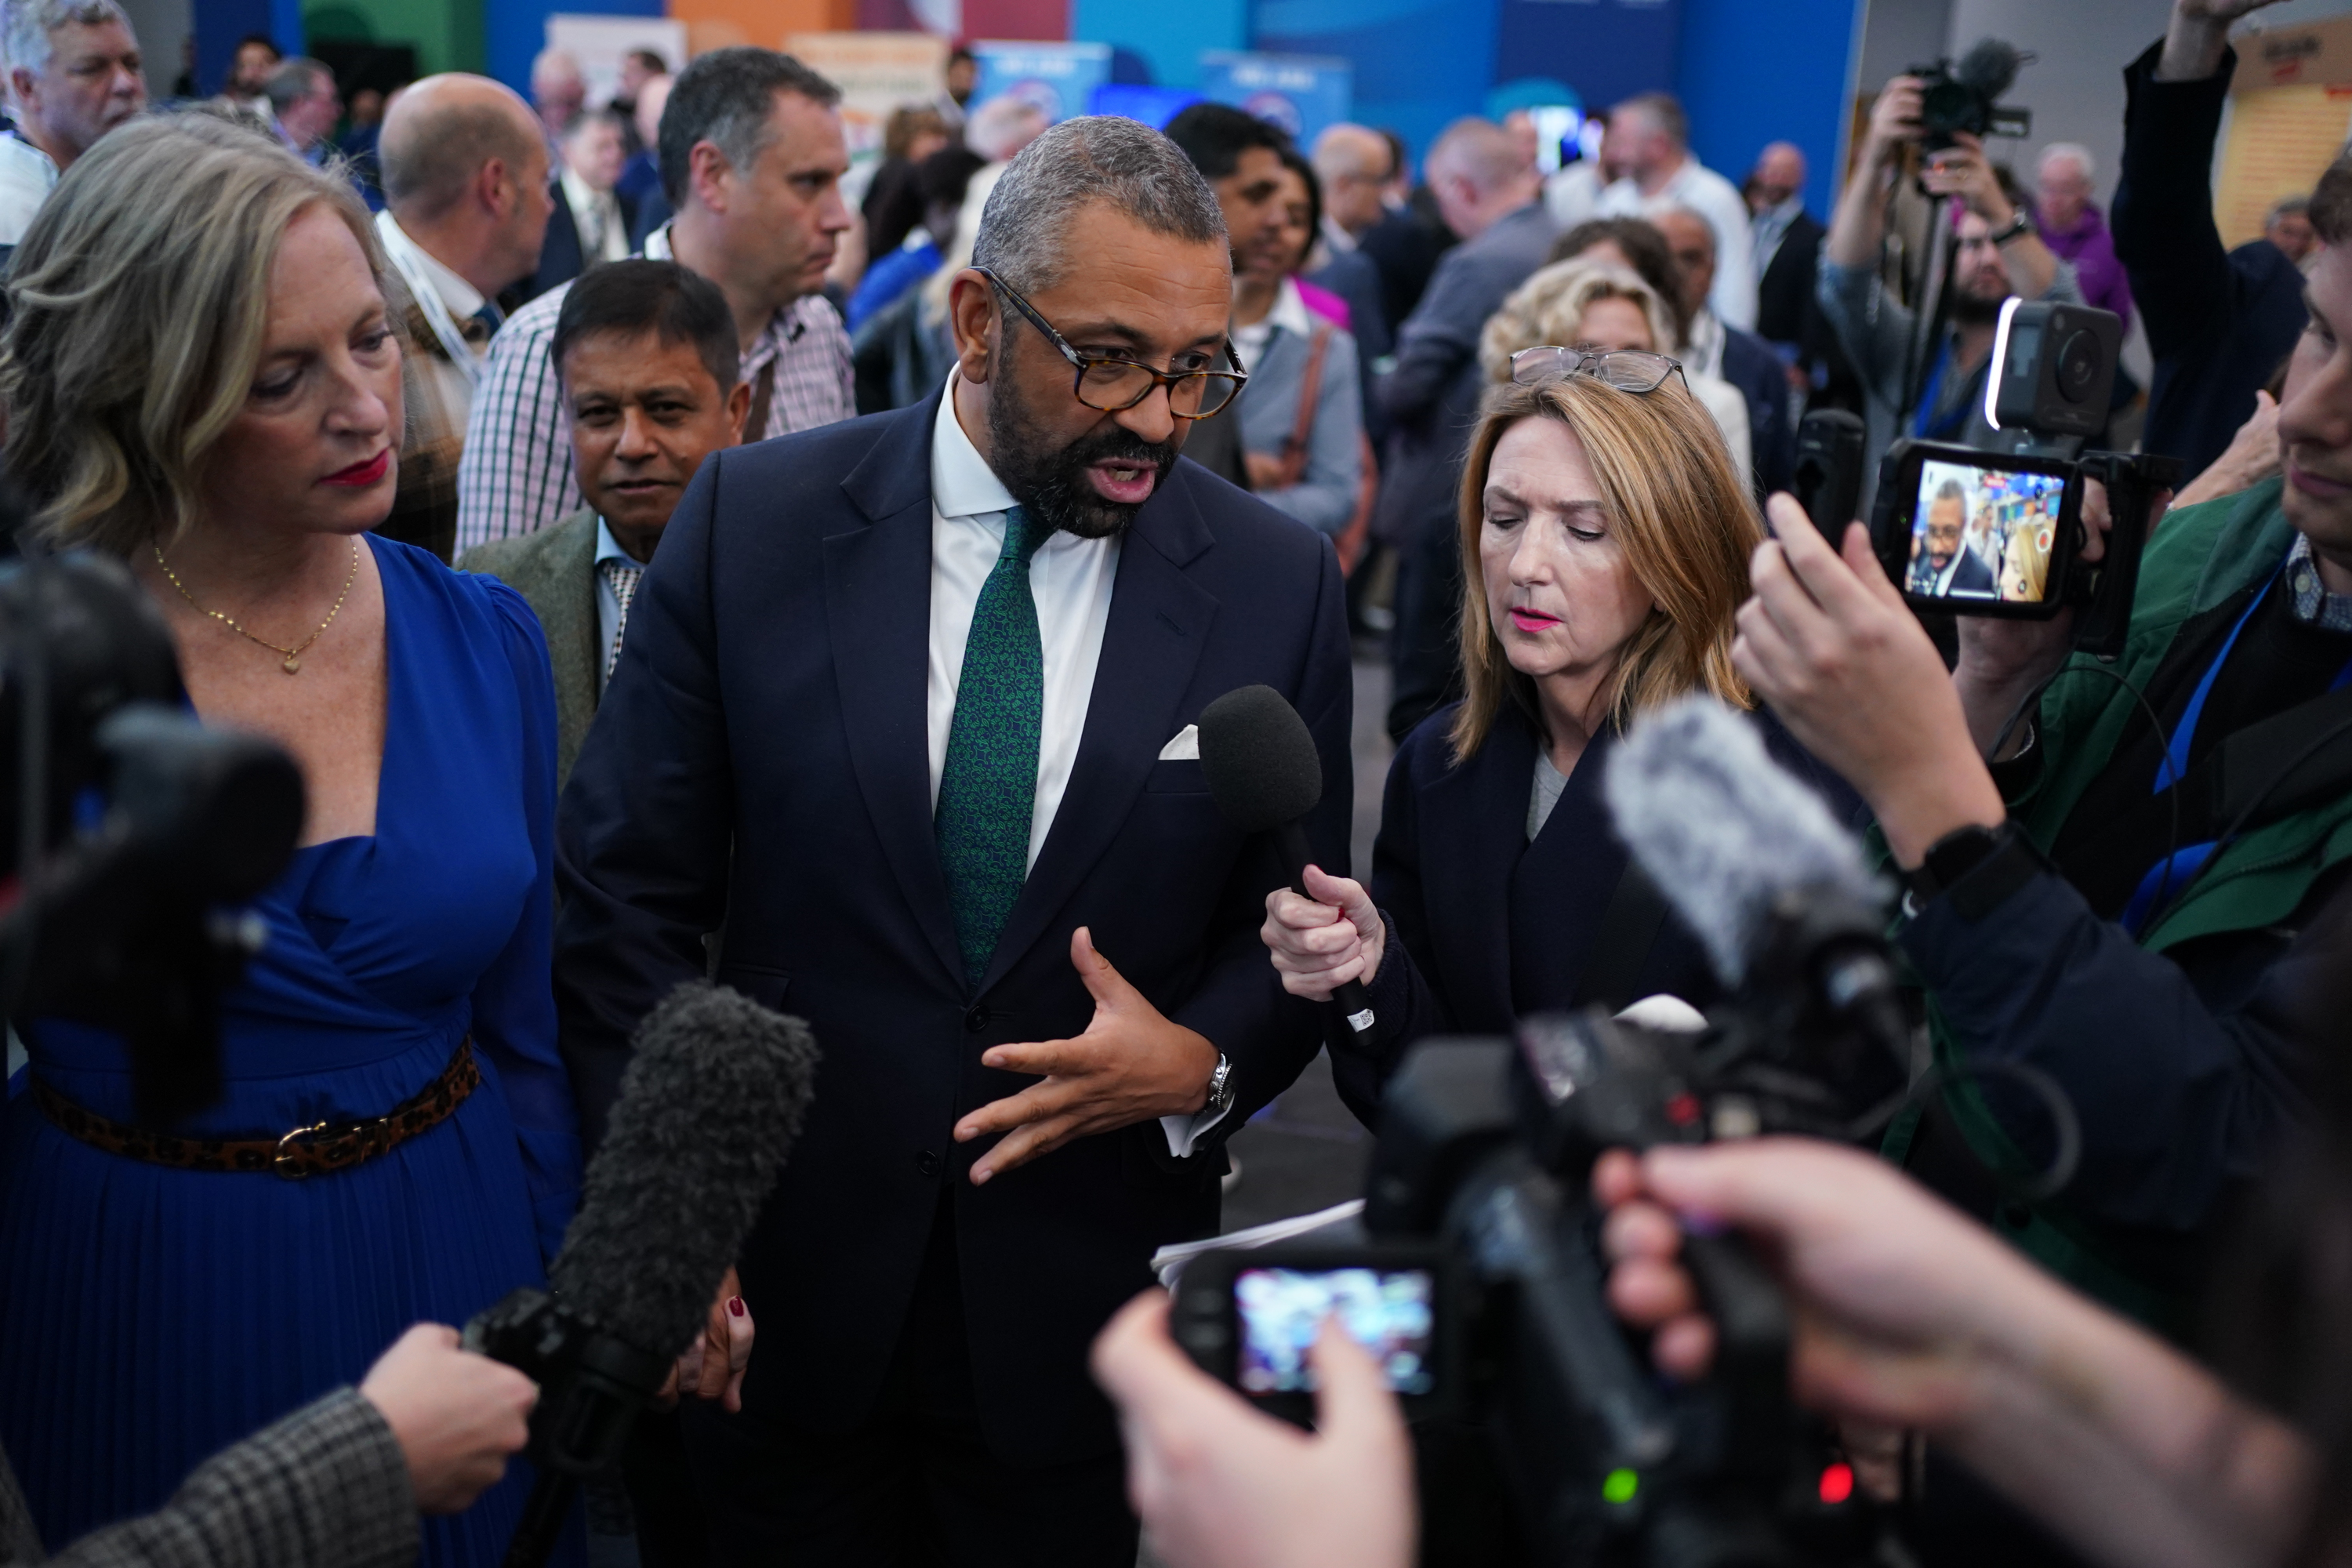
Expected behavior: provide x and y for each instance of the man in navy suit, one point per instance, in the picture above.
(907, 706)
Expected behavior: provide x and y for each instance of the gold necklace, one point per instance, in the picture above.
(293, 665)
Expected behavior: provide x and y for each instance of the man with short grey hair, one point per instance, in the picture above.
(74, 74)
(1649, 136)
(752, 157)
(911, 704)
(2071, 225)
(304, 107)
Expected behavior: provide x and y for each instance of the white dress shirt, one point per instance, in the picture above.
(460, 298)
(1070, 579)
(1713, 198)
(596, 216)
(26, 178)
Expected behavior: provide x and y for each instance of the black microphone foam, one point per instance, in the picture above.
(1990, 68)
(708, 1109)
(1259, 759)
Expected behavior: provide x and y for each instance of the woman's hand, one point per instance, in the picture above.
(712, 1367)
(1219, 1485)
(1321, 943)
(1828, 641)
(456, 1415)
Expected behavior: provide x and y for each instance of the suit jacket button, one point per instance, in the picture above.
(927, 1164)
(976, 1019)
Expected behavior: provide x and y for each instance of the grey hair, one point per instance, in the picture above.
(24, 33)
(294, 80)
(1123, 164)
(2075, 152)
(1951, 490)
(727, 98)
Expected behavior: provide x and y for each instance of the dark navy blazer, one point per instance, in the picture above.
(1485, 926)
(761, 759)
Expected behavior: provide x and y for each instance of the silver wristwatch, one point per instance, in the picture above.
(1221, 1087)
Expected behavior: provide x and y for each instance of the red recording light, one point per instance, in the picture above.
(1683, 1110)
(1837, 1484)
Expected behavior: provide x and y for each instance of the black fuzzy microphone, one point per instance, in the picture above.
(1265, 775)
(708, 1108)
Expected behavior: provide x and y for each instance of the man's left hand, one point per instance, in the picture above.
(1131, 1065)
(1828, 641)
(1962, 170)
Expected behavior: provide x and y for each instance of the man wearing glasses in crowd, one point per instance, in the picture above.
(909, 703)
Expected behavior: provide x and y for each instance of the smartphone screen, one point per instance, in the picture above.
(1983, 533)
(1391, 1312)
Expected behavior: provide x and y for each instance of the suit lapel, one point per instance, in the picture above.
(572, 623)
(875, 575)
(1158, 620)
(1473, 828)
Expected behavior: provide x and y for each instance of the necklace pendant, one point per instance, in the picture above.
(293, 665)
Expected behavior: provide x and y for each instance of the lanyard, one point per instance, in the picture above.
(2178, 867)
(401, 251)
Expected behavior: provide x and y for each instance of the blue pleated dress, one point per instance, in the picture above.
(150, 1316)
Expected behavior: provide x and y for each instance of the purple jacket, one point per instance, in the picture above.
(2092, 250)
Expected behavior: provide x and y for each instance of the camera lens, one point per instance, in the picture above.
(2078, 366)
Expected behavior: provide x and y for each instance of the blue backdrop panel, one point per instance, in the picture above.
(1173, 36)
(514, 31)
(1750, 74)
(1605, 49)
(1301, 94)
(1059, 78)
(1419, 64)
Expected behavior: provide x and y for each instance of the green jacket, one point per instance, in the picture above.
(555, 571)
(2199, 558)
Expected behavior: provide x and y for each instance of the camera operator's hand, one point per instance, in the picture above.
(1963, 171)
(1894, 122)
(712, 1367)
(456, 1414)
(1220, 1485)
(1907, 1314)
(2251, 456)
(1321, 943)
(1828, 641)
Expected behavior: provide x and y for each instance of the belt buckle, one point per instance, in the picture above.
(283, 1166)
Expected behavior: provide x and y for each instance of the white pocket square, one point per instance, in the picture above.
(1184, 748)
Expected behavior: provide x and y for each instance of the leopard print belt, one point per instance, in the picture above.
(305, 1151)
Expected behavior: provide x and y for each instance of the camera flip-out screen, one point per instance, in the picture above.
(1391, 1312)
(1985, 534)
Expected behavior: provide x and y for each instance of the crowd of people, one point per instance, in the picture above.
(670, 548)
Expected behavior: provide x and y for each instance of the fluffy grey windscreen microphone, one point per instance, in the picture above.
(1722, 829)
(708, 1109)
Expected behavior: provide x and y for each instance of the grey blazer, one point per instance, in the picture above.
(555, 571)
(1324, 499)
(326, 1485)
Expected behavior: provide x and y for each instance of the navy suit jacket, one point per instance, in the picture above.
(1750, 364)
(761, 759)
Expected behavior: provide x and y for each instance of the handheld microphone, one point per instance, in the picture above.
(708, 1108)
(1265, 777)
(1777, 892)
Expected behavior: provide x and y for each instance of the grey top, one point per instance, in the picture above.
(1549, 783)
(1875, 331)
(327, 1484)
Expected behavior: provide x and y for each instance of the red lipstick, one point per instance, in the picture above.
(360, 476)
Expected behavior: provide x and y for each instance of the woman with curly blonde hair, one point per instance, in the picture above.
(1604, 543)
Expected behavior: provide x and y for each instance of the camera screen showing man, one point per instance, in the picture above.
(1983, 533)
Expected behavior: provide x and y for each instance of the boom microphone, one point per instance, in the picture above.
(1755, 865)
(1265, 777)
(1990, 68)
(713, 1097)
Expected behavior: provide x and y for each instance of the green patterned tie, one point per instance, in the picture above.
(988, 784)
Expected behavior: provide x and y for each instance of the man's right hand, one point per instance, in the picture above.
(1893, 120)
(456, 1414)
(1321, 943)
(2198, 36)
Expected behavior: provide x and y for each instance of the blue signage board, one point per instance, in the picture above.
(1059, 78)
(1300, 93)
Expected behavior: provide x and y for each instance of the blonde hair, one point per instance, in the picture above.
(2026, 553)
(1680, 512)
(138, 303)
(1549, 308)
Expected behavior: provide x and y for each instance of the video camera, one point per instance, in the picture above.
(129, 829)
(1962, 98)
(1482, 1290)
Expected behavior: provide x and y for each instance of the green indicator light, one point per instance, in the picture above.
(1620, 1486)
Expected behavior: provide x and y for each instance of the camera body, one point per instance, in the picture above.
(1478, 1209)
(1957, 100)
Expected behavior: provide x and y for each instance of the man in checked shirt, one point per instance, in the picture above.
(752, 158)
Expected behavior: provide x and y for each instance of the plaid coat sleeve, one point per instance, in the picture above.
(327, 1485)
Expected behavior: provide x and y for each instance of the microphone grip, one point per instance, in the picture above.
(543, 1514)
(1290, 844)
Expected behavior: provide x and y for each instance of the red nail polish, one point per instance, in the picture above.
(735, 1306)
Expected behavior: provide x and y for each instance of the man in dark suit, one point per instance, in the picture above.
(910, 705)
(594, 221)
(646, 354)
(1787, 242)
(1714, 347)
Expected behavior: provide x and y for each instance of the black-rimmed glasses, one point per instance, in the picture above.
(1113, 385)
(1627, 370)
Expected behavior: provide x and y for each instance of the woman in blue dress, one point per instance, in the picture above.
(201, 378)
